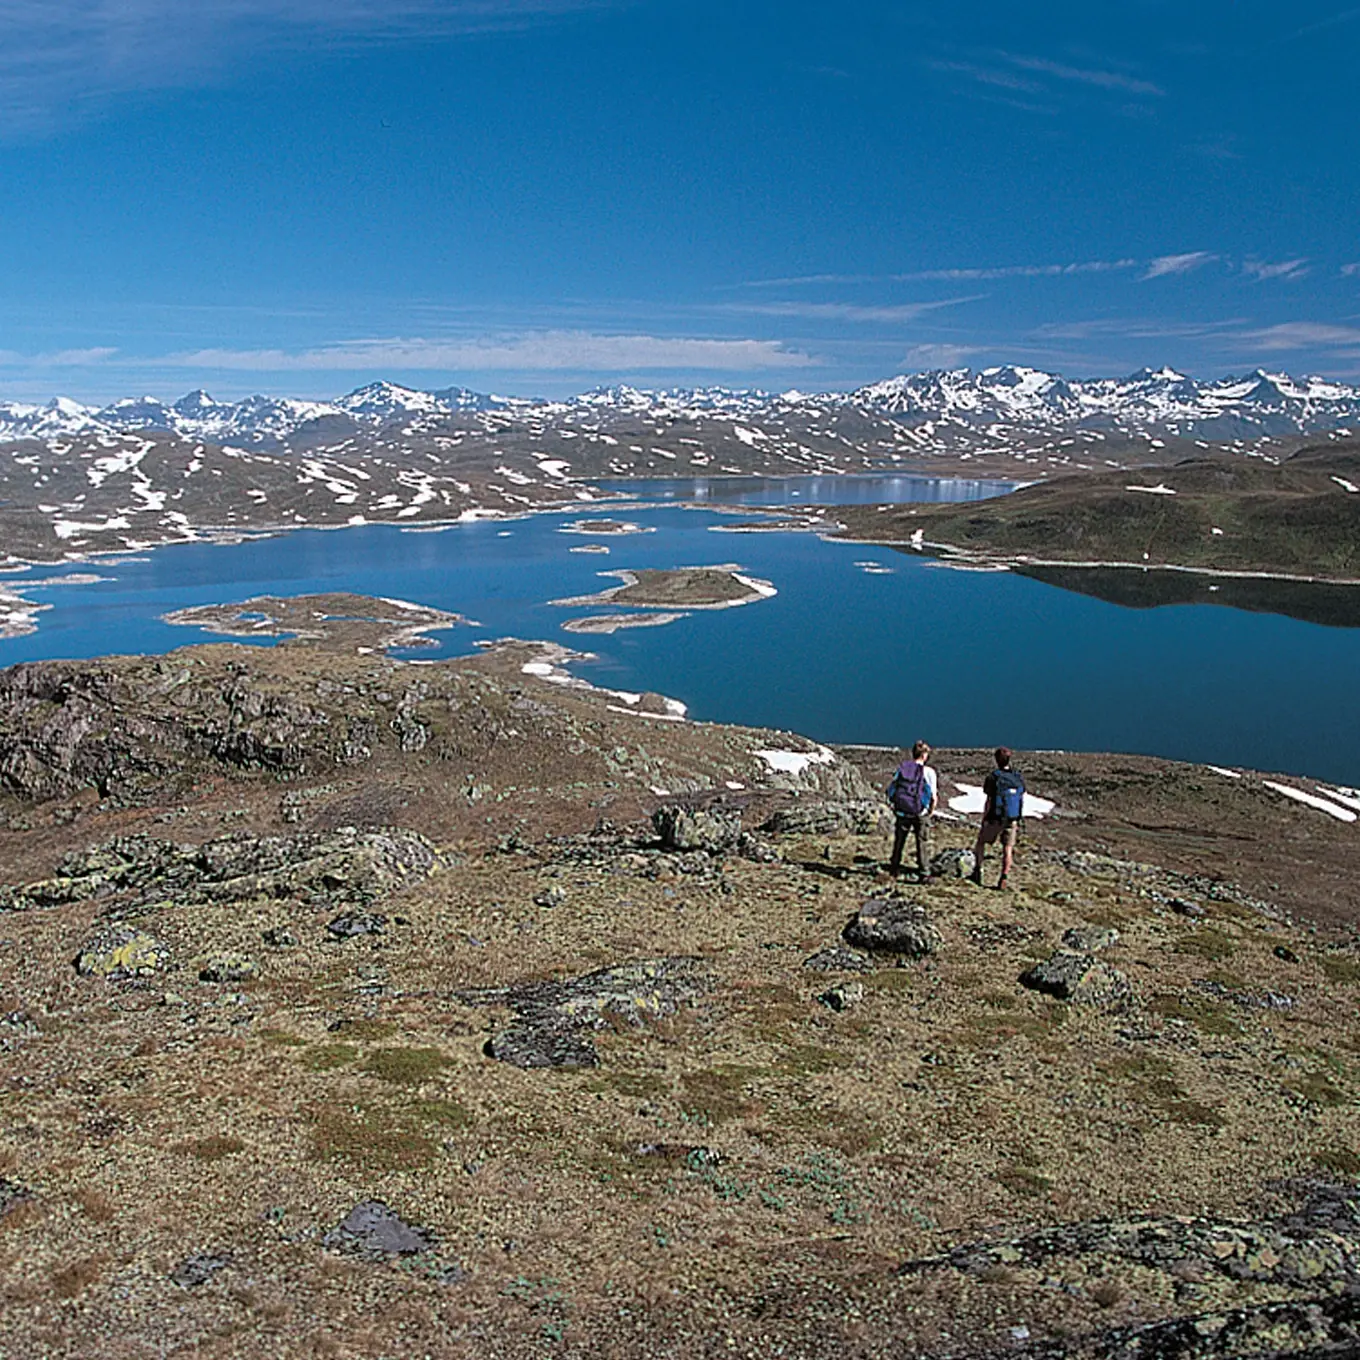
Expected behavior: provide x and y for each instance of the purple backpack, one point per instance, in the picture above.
(908, 792)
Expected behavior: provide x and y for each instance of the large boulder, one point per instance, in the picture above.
(683, 829)
(894, 925)
(1079, 978)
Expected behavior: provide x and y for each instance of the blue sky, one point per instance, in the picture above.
(541, 195)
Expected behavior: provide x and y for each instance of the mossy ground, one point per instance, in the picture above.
(753, 1168)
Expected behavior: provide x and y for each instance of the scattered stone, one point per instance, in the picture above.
(199, 1268)
(172, 999)
(826, 819)
(122, 952)
(1079, 978)
(838, 959)
(12, 1194)
(684, 829)
(1090, 939)
(280, 937)
(953, 864)
(375, 1232)
(1182, 906)
(553, 1018)
(756, 849)
(551, 897)
(893, 926)
(1266, 1000)
(1283, 951)
(842, 996)
(352, 923)
(229, 968)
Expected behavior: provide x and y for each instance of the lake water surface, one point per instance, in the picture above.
(859, 645)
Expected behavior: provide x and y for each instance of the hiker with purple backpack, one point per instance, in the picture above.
(913, 794)
(1003, 808)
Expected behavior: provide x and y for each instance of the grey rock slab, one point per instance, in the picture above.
(1080, 978)
(893, 926)
(826, 819)
(374, 1231)
(121, 952)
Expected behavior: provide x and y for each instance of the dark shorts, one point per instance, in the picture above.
(1005, 832)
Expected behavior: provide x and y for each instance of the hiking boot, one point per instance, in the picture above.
(976, 877)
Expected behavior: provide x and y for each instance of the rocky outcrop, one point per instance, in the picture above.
(893, 925)
(553, 1019)
(132, 872)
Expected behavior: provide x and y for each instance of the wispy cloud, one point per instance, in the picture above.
(1084, 75)
(1292, 335)
(965, 275)
(56, 55)
(1350, 271)
(1165, 266)
(939, 356)
(565, 351)
(849, 311)
(1265, 270)
(62, 358)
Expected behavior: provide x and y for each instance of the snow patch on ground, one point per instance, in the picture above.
(972, 802)
(1161, 489)
(1342, 814)
(794, 762)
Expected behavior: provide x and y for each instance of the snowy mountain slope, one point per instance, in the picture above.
(1148, 403)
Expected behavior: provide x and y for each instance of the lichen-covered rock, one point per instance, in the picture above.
(857, 818)
(122, 952)
(1090, 939)
(279, 937)
(1080, 978)
(376, 1232)
(12, 1194)
(344, 866)
(685, 829)
(228, 968)
(893, 925)
(553, 1018)
(953, 863)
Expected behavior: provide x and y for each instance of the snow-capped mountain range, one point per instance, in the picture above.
(1158, 403)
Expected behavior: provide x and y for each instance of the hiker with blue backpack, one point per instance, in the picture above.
(1003, 807)
(913, 794)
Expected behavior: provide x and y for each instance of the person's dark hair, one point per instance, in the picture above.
(1003, 757)
(919, 749)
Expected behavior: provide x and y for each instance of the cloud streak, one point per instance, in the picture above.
(849, 311)
(1264, 270)
(60, 55)
(540, 351)
(1167, 266)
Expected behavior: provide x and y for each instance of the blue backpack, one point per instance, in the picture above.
(909, 793)
(1008, 802)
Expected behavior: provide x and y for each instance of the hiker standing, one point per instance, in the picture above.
(1003, 798)
(913, 794)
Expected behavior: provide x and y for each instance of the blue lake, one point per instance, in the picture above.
(841, 653)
